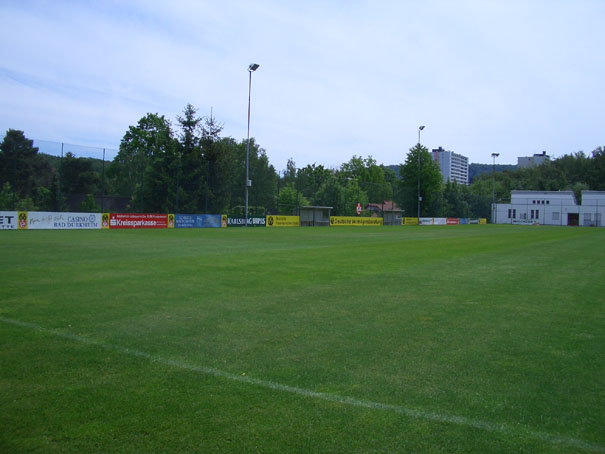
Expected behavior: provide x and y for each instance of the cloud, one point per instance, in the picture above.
(336, 79)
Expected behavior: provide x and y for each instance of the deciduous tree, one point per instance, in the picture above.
(419, 163)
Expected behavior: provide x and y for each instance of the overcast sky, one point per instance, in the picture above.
(336, 78)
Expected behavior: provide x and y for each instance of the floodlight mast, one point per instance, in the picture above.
(420, 128)
(494, 156)
(253, 67)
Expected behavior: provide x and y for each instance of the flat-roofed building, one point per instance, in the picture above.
(551, 208)
(532, 161)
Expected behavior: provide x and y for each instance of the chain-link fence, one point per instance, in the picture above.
(68, 177)
(73, 177)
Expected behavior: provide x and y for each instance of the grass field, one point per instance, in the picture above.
(486, 339)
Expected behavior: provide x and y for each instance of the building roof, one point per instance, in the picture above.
(593, 198)
(387, 205)
(522, 191)
(528, 194)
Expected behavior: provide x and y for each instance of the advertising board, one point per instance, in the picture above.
(22, 220)
(343, 221)
(38, 220)
(241, 222)
(138, 221)
(8, 220)
(409, 221)
(426, 221)
(464, 221)
(482, 221)
(283, 221)
(197, 221)
(452, 221)
(524, 221)
(439, 221)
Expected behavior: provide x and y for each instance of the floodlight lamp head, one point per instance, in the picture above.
(253, 67)
(495, 155)
(421, 127)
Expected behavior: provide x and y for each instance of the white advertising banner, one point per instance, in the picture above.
(440, 221)
(426, 221)
(8, 220)
(50, 220)
(523, 221)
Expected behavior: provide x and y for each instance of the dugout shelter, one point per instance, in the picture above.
(392, 217)
(314, 216)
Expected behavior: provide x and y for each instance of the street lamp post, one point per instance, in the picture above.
(253, 67)
(420, 128)
(494, 156)
(15, 176)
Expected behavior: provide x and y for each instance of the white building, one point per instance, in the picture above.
(532, 161)
(453, 166)
(551, 208)
(592, 209)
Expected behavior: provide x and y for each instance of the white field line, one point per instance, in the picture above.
(409, 412)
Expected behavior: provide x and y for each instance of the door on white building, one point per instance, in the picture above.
(573, 219)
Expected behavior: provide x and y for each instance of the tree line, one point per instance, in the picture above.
(192, 168)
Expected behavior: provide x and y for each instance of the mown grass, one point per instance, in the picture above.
(107, 337)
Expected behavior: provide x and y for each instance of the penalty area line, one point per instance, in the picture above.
(334, 398)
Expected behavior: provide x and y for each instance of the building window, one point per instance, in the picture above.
(534, 202)
(532, 214)
(510, 212)
(548, 202)
(514, 213)
(537, 214)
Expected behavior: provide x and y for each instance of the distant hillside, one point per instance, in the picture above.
(394, 168)
(55, 162)
(474, 170)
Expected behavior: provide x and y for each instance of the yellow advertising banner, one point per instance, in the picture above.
(482, 221)
(171, 221)
(224, 221)
(22, 220)
(343, 221)
(409, 221)
(105, 220)
(283, 221)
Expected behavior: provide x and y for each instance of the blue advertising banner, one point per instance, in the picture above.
(463, 220)
(197, 221)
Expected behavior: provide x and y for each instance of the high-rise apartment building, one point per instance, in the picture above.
(454, 166)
